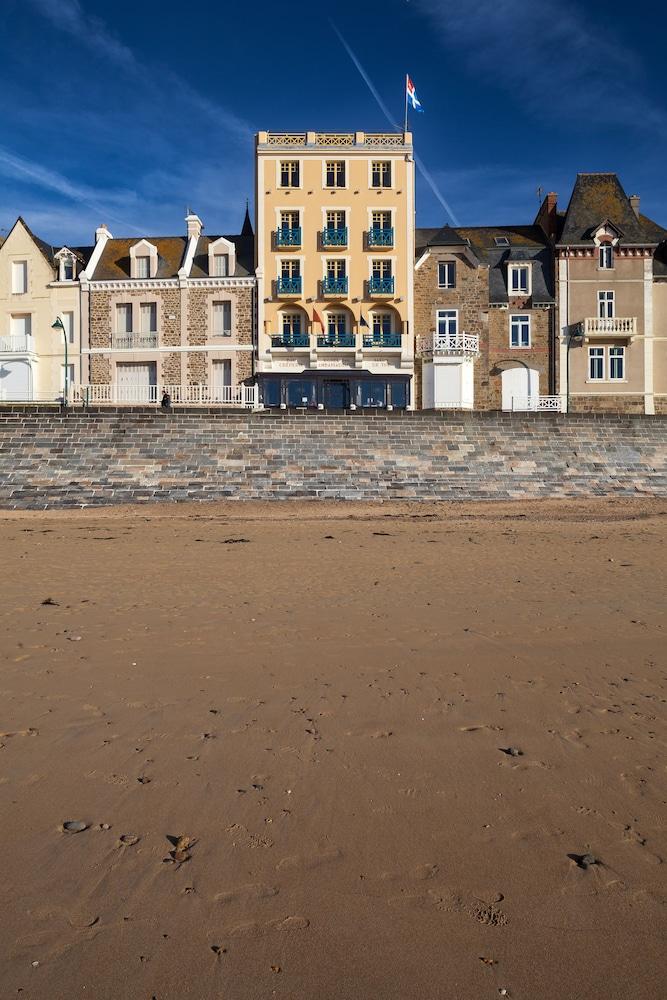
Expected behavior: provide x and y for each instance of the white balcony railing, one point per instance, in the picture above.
(16, 343)
(466, 344)
(134, 341)
(245, 396)
(535, 404)
(622, 327)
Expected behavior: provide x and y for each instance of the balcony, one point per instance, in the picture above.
(290, 340)
(613, 327)
(288, 237)
(334, 287)
(134, 341)
(380, 237)
(289, 286)
(16, 343)
(439, 344)
(334, 237)
(382, 338)
(380, 286)
(336, 340)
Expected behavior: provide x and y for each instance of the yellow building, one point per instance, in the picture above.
(335, 260)
(39, 283)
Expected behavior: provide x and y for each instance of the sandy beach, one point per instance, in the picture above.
(334, 752)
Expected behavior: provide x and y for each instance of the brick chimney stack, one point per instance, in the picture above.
(634, 201)
(547, 217)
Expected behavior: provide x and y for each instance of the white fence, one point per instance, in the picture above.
(246, 396)
(450, 343)
(16, 343)
(533, 404)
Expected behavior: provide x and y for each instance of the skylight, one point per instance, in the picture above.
(502, 241)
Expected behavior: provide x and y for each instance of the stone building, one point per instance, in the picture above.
(612, 299)
(39, 284)
(484, 318)
(169, 313)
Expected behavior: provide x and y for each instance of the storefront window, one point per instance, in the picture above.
(373, 393)
(301, 392)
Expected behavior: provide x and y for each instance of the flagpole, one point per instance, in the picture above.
(406, 102)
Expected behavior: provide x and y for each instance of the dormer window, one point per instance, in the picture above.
(143, 267)
(221, 258)
(606, 257)
(221, 265)
(519, 279)
(143, 261)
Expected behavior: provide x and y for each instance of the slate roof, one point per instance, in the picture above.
(48, 251)
(245, 256)
(114, 264)
(598, 198)
(439, 237)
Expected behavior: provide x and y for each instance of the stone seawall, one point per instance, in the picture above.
(96, 457)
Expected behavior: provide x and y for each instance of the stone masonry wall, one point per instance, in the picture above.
(104, 456)
(496, 354)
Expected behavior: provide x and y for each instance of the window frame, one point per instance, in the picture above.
(339, 170)
(523, 321)
(446, 316)
(596, 353)
(516, 267)
(226, 330)
(617, 355)
(383, 166)
(295, 167)
(610, 300)
(603, 250)
(446, 265)
(25, 282)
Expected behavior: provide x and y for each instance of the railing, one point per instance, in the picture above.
(381, 286)
(450, 343)
(16, 343)
(289, 286)
(382, 339)
(334, 286)
(336, 340)
(378, 237)
(389, 139)
(246, 396)
(534, 404)
(288, 237)
(290, 340)
(334, 138)
(134, 341)
(610, 327)
(334, 237)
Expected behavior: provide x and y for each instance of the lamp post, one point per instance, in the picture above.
(574, 333)
(59, 325)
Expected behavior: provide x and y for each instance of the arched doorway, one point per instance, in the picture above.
(520, 386)
(16, 380)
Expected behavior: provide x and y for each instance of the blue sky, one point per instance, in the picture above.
(126, 113)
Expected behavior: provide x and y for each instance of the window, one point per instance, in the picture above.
(68, 323)
(67, 272)
(336, 219)
(289, 173)
(291, 323)
(70, 375)
(19, 277)
(220, 265)
(447, 322)
(381, 323)
(520, 331)
(290, 268)
(596, 363)
(606, 305)
(222, 374)
(301, 392)
(617, 363)
(335, 174)
(289, 220)
(148, 312)
(606, 256)
(373, 393)
(501, 241)
(336, 268)
(446, 274)
(124, 317)
(381, 173)
(222, 319)
(336, 324)
(381, 270)
(21, 326)
(519, 279)
(142, 267)
(381, 220)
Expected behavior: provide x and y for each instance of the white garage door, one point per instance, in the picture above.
(520, 388)
(136, 383)
(16, 380)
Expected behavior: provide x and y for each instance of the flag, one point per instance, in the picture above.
(317, 318)
(362, 321)
(412, 96)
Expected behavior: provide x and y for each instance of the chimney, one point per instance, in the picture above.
(634, 201)
(102, 233)
(547, 217)
(194, 225)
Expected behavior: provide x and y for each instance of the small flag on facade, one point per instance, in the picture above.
(412, 96)
(317, 318)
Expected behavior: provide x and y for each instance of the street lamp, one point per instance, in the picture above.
(59, 325)
(575, 333)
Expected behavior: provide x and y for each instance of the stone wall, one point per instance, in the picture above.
(103, 456)
(496, 353)
(607, 404)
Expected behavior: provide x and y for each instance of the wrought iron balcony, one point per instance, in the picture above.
(381, 286)
(336, 340)
(334, 286)
(378, 237)
(334, 237)
(289, 286)
(288, 237)
(466, 344)
(290, 340)
(623, 328)
(382, 338)
(134, 341)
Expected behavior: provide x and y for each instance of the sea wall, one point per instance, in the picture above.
(104, 456)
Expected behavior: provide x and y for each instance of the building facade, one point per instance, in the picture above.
(612, 297)
(39, 283)
(169, 314)
(484, 318)
(334, 259)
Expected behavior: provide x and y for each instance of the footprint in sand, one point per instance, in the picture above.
(631, 836)
(307, 862)
(246, 892)
(254, 929)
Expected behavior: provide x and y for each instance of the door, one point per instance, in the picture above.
(520, 389)
(448, 387)
(336, 395)
(16, 380)
(136, 383)
(222, 381)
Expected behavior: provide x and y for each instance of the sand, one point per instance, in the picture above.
(315, 704)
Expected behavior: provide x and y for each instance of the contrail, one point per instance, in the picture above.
(385, 111)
